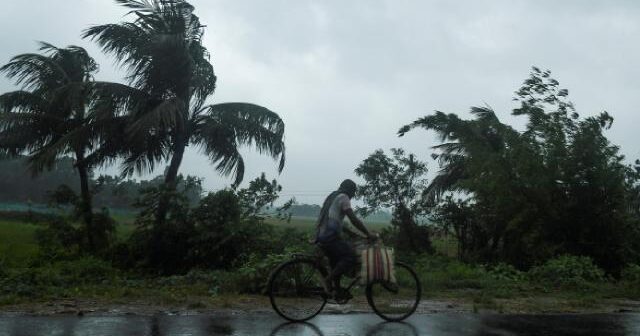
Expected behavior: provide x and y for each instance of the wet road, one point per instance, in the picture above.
(345, 324)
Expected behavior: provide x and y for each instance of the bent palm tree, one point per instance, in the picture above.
(465, 145)
(170, 77)
(44, 118)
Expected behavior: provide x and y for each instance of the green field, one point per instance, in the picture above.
(308, 224)
(17, 243)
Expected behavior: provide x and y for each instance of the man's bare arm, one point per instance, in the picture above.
(357, 222)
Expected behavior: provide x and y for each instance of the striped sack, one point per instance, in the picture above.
(377, 265)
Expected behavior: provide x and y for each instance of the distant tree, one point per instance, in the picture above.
(260, 194)
(397, 182)
(50, 116)
(18, 185)
(170, 79)
(558, 187)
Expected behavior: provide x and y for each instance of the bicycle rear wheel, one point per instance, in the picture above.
(295, 290)
(396, 302)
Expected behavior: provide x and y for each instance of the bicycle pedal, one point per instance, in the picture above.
(343, 296)
(391, 287)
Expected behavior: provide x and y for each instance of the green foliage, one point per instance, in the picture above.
(53, 116)
(220, 237)
(216, 234)
(558, 187)
(36, 281)
(631, 274)
(568, 271)
(59, 240)
(17, 243)
(397, 182)
(170, 79)
(160, 247)
(505, 273)
(254, 273)
(442, 273)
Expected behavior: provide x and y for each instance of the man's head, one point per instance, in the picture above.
(348, 187)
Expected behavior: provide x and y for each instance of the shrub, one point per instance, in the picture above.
(38, 281)
(254, 274)
(442, 272)
(220, 237)
(567, 271)
(85, 270)
(505, 273)
(631, 273)
(59, 240)
(160, 248)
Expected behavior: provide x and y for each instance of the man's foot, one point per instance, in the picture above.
(341, 295)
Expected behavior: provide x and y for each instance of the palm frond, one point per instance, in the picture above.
(253, 126)
(169, 114)
(22, 101)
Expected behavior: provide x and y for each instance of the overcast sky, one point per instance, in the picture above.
(345, 75)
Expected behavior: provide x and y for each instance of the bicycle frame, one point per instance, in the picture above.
(318, 260)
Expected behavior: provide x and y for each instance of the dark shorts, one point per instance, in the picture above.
(341, 254)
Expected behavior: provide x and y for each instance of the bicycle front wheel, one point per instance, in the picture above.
(396, 302)
(296, 291)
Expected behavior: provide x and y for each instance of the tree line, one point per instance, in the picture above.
(18, 185)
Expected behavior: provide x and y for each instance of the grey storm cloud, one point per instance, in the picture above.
(345, 75)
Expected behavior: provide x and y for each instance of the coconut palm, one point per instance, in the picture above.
(464, 143)
(170, 78)
(50, 116)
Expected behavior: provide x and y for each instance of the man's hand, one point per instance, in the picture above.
(357, 222)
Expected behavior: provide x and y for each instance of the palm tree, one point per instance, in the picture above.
(51, 115)
(170, 78)
(464, 143)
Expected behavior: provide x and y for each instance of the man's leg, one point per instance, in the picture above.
(345, 260)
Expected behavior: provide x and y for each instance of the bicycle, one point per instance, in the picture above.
(296, 290)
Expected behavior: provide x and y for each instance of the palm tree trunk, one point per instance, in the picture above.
(170, 180)
(86, 207)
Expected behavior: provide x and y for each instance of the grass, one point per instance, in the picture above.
(17, 243)
(308, 224)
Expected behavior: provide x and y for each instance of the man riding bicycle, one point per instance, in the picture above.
(341, 254)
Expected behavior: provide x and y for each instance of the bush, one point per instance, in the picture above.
(59, 240)
(631, 274)
(220, 237)
(445, 273)
(162, 248)
(38, 281)
(567, 271)
(85, 270)
(254, 274)
(505, 273)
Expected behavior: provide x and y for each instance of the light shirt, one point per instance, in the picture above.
(331, 226)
